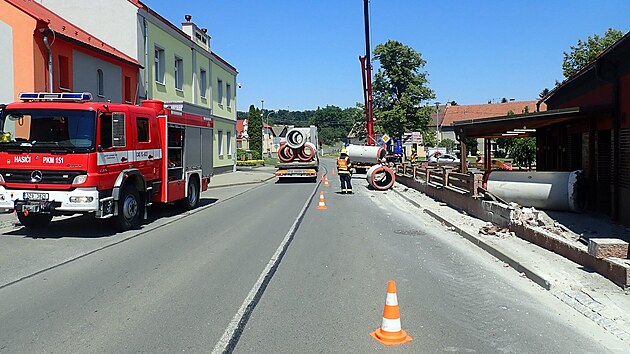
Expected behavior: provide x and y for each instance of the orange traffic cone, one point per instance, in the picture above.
(322, 202)
(391, 332)
(326, 184)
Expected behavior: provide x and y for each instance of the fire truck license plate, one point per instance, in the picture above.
(35, 196)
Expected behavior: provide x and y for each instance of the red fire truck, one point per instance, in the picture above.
(62, 154)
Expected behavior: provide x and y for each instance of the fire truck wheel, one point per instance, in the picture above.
(192, 200)
(34, 221)
(129, 209)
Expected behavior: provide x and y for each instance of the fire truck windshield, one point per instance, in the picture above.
(47, 130)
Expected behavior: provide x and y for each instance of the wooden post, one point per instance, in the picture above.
(445, 178)
(463, 163)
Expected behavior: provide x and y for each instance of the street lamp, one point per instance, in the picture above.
(269, 131)
(437, 122)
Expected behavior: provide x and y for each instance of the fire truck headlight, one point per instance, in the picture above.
(82, 199)
(80, 179)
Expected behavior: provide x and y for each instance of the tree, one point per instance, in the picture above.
(449, 144)
(585, 51)
(428, 137)
(400, 87)
(254, 129)
(471, 146)
(543, 93)
(358, 122)
(333, 124)
(524, 151)
(453, 103)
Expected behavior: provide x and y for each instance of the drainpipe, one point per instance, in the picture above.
(146, 58)
(50, 64)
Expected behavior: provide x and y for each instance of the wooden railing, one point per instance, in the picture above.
(445, 177)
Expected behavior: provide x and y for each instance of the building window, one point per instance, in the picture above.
(64, 73)
(179, 73)
(158, 66)
(99, 83)
(127, 93)
(203, 83)
(220, 91)
(229, 143)
(143, 129)
(228, 92)
(220, 142)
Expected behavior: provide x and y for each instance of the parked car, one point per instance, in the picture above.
(446, 158)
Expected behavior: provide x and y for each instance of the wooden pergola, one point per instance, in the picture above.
(516, 126)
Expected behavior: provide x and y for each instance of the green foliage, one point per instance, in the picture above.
(505, 146)
(428, 137)
(333, 123)
(524, 151)
(240, 153)
(449, 144)
(250, 162)
(471, 145)
(543, 93)
(359, 127)
(453, 103)
(400, 87)
(256, 155)
(254, 130)
(525, 109)
(585, 51)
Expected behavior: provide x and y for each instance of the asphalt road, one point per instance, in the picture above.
(181, 283)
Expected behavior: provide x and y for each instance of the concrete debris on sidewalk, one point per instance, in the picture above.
(494, 230)
(537, 218)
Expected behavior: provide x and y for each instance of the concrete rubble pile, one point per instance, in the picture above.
(538, 219)
(494, 230)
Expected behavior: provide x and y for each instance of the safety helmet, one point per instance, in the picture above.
(344, 151)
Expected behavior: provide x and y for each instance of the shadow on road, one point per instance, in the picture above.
(295, 181)
(86, 226)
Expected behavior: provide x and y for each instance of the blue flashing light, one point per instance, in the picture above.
(55, 96)
(28, 96)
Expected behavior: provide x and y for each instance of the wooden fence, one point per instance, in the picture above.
(443, 177)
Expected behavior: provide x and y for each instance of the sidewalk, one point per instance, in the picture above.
(587, 292)
(243, 176)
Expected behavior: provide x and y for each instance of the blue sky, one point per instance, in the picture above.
(301, 54)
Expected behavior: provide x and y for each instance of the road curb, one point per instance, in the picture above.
(533, 275)
(241, 183)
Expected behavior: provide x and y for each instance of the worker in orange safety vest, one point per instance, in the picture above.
(343, 169)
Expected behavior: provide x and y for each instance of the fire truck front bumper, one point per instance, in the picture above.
(79, 200)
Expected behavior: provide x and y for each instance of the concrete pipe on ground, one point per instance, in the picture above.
(295, 138)
(307, 152)
(380, 177)
(542, 190)
(285, 153)
(365, 154)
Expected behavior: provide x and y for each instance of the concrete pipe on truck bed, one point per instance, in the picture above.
(295, 138)
(381, 177)
(285, 153)
(542, 190)
(308, 152)
(365, 154)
